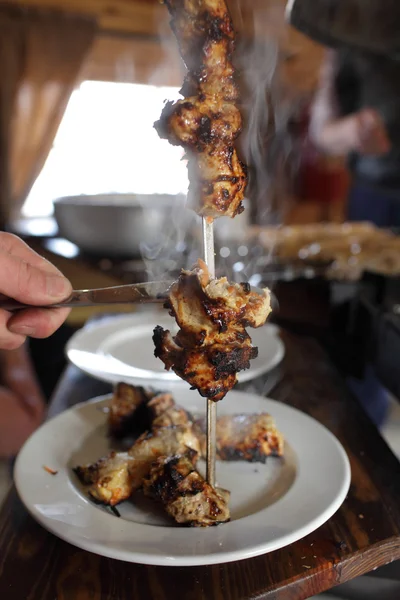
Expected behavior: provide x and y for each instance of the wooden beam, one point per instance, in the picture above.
(133, 16)
(138, 25)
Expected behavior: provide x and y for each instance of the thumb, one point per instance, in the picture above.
(30, 284)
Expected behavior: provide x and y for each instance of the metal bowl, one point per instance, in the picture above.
(119, 224)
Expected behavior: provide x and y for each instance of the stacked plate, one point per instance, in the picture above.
(272, 504)
(121, 349)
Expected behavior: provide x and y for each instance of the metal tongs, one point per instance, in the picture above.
(137, 293)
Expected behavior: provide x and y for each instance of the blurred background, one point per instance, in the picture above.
(86, 181)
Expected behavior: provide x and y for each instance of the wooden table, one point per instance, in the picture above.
(362, 535)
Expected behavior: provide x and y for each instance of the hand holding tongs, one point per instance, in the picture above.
(142, 293)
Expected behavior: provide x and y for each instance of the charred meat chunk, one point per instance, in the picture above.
(115, 477)
(206, 122)
(244, 437)
(212, 345)
(162, 442)
(176, 415)
(109, 478)
(127, 413)
(184, 493)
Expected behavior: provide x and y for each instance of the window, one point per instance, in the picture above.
(107, 143)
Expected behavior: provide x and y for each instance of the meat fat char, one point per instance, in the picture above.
(127, 413)
(184, 493)
(114, 478)
(212, 345)
(109, 479)
(207, 121)
(251, 438)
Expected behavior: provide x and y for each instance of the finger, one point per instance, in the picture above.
(12, 244)
(8, 339)
(29, 284)
(36, 322)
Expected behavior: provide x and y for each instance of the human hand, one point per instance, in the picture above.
(27, 277)
(368, 133)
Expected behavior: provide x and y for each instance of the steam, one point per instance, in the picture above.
(268, 107)
(265, 145)
(176, 246)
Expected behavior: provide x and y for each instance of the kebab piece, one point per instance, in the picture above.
(114, 478)
(159, 404)
(163, 442)
(250, 437)
(127, 413)
(207, 122)
(164, 412)
(243, 437)
(184, 493)
(212, 345)
(134, 410)
(174, 416)
(109, 479)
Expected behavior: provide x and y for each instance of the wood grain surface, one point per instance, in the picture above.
(362, 535)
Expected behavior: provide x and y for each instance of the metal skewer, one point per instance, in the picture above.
(209, 259)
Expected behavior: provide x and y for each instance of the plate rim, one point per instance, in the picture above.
(174, 383)
(192, 560)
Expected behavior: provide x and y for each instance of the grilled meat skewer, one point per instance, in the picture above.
(212, 345)
(207, 122)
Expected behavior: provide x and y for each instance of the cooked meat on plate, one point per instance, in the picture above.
(114, 478)
(109, 479)
(184, 493)
(243, 437)
(126, 410)
(162, 462)
(134, 410)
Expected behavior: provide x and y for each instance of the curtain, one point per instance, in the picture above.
(41, 54)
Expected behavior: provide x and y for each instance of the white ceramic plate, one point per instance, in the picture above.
(122, 349)
(272, 505)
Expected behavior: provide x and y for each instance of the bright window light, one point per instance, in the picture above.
(106, 143)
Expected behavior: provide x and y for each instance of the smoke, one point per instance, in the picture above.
(176, 247)
(157, 64)
(268, 143)
(269, 108)
(265, 145)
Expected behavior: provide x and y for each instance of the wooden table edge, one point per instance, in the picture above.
(350, 568)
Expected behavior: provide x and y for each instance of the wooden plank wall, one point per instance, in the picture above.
(135, 42)
(124, 16)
